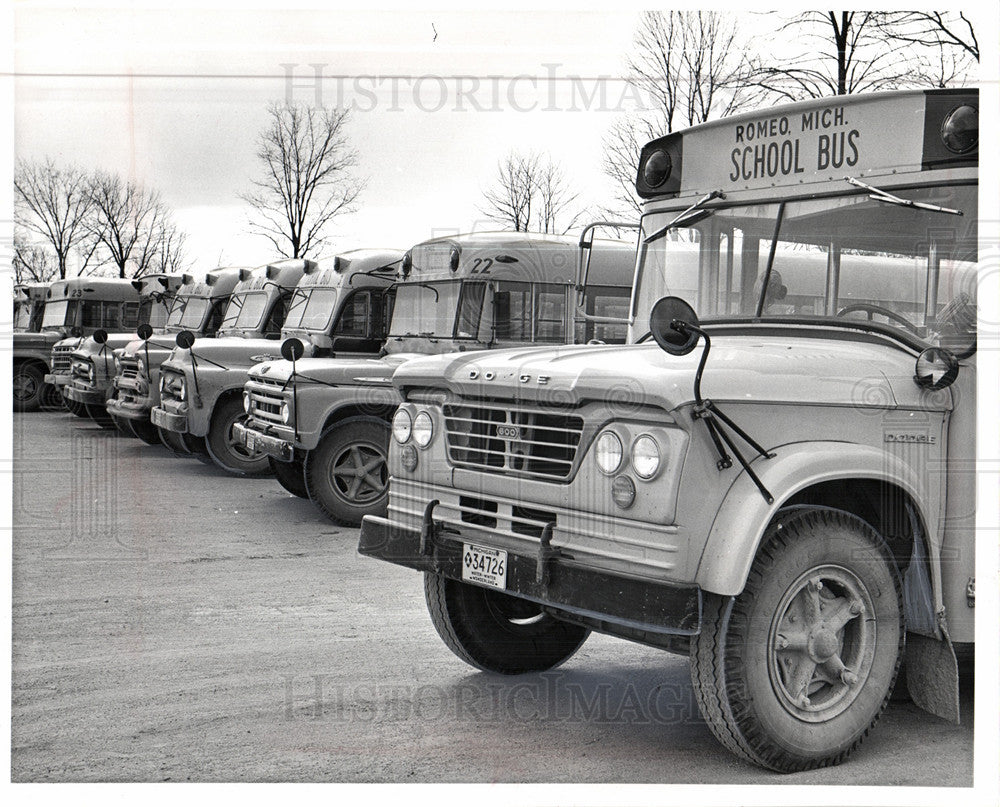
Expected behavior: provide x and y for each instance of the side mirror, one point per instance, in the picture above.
(937, 368)
(292, 349)
(185, 339)
(666, 324)
(100, 336)
(76, 331)
(144, 331)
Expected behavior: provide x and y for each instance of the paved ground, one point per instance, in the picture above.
(171, 624)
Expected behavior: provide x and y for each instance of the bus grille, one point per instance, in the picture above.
(61, 359)
(265, 404)
(526, 442)
(130, 367)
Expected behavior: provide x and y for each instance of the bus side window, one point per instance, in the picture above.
(384, 303)
(353, 319)
(549, 313)
(134, 313)
(94, 315)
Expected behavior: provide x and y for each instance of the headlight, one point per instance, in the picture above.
(645, 457)
(423, 429)
(118, 366)
(401, 426)
(142, 366)
(91, 374)
(182, 389)
(163, 383)
(246, 402)
(608, 452)
(286, 412)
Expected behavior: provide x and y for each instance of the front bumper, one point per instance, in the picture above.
(256, 441)
(58, 380)
(91, 397)
(547, 578)
(130, 410)
(167, 420)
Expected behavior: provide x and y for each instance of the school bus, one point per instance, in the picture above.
(74, 307)
(775, 477)
(199, 307)
(29, 305)
(324, 423)
(92, 363)
(339, 307)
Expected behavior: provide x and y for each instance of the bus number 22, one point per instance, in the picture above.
(481, 266)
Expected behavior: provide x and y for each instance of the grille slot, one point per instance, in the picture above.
(529, 521)
(130, 368)
(475, 511)
(265, 404)
(61, 359)
(529, 442)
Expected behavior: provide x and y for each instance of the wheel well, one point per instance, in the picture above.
(359, 410)
(36, 362)
(886, 507)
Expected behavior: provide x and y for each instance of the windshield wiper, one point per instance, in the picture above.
(693, 214)
(880, 195)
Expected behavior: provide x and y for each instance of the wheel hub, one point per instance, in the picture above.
(820, 644)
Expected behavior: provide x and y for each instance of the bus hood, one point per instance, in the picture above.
(342, 372)
(748, 368)
(232, 352)
(115, 340)
(27, 340)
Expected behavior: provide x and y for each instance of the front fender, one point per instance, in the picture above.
(744, 515)
(342, 402)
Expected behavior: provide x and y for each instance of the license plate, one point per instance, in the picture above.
(485, 566)
(249, 442)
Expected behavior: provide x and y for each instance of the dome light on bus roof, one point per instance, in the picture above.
(960, 130)
(456, 254)
(656, 169)
(406, 265)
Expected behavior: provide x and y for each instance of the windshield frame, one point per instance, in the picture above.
(68, 308)
(900, 334)
(438, 286)
(304, 296)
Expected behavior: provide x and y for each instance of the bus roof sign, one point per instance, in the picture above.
(816, 141)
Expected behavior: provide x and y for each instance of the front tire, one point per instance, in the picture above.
(145, 431)
(174, 442)
(290, 475)
(222, 447)
(347, 474)
(797, 672)
(100, 416)
(29, 384)
(74, 407)
(496, 632)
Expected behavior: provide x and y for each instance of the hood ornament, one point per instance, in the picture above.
(674, 326)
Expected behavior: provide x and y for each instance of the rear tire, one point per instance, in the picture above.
(347, 474)
(797, 673)
(29, 385)
(223, 449)
(496, 632)
(290, 475)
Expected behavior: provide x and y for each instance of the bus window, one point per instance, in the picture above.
(604, 301)
(529, 312)
(354, 316)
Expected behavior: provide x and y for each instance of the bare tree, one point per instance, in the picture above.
(690, 66)
(170, 254)
(530, 192)
(129, 223)
(308, 177)
(863, 51)
(930, 29)
(32, 262)
(53, 203)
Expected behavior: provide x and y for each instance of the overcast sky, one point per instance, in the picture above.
(176, 96)
(176, 99)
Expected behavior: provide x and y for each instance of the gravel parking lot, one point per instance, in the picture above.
(171, 623)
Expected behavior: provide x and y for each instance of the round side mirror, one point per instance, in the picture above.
(292, 349)
(666, 324)
(937, 368)
(100, 336)
(144, 331)
(76, 331)
(185, 339)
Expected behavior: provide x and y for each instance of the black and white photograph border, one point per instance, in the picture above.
(180, 612)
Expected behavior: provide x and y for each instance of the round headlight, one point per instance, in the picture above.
(246, 402)
(645, 457)
(401, 426)
(960, 130)
(608, 452)
(408, 457)
(623, 492)
(423, 429)
(657, 168)
(91, 373)
(286, 412)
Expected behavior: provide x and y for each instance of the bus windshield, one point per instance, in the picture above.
(432, 309)
(245, 310)
(56, 314)
(189, 312)
(311, 309)
(839, 259)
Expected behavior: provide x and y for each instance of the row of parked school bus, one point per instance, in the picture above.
(747, 436)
